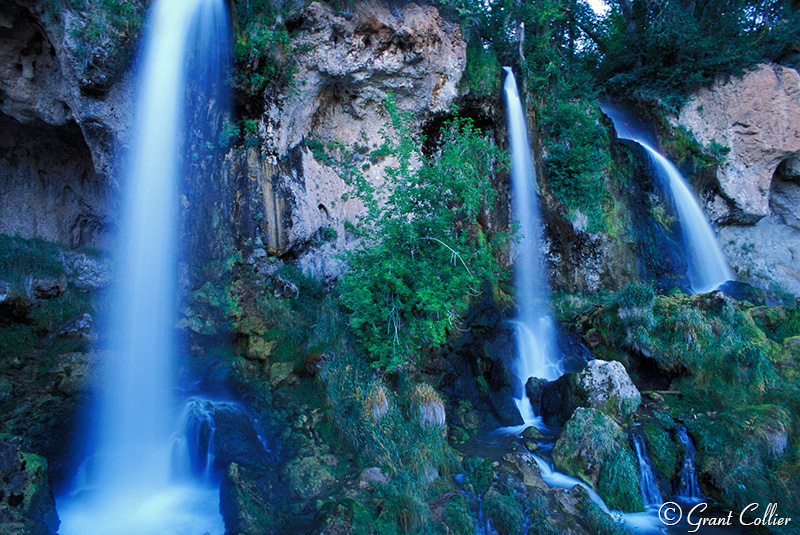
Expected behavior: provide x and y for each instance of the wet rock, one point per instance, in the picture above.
(235, 438)
(260, 349)
(533, 390)
(247, 502)
(603, 385)
(27, 506)
(81, 328)
(49, 288)
(284, 288)
(741, 291)
(595, 449)
(282, 373)
(505, 408)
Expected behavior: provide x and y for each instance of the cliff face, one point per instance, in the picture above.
(758, 118)
(346, 67)
(64, 112)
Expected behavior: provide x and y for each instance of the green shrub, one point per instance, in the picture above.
(426, 251)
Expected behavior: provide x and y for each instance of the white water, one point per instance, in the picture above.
(128, 487)
(707, 267)
(648, 486)
(688, 487)
(535, 331)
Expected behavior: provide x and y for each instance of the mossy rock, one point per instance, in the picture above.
(247, 502)
(457, 516)
(595, 449)
(27, 506)
(311, 475)
(664, 451)
(260, 349)
(504, 512)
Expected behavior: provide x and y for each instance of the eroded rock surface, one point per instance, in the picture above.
(758, 118)
(347, 66)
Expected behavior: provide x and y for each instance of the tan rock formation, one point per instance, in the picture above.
(758, 118)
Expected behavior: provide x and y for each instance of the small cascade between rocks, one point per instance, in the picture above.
(707, 267)
(535, 329)
(647, 478)
(130, 486)
(688, 489)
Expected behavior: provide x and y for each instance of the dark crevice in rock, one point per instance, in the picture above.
(48, 185)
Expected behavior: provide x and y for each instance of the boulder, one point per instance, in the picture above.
(602, 385)
(311, 473)
(247, 502)
(505, 408)
(27, 506)
(595, 449)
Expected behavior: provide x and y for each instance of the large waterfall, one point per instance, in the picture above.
(707, 267)
(535, 331)
(127, 484)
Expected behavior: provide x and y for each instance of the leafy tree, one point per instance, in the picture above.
(427, 246)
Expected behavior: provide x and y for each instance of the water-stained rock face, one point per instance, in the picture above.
(758, 118)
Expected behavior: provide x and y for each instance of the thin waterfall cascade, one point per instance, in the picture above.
(535, 328)
(688, 487)
(708, 268)
(128, 486)
(648, 485)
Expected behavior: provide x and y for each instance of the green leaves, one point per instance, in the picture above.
(426, 250)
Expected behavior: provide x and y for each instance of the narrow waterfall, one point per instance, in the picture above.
(688, 488)
(128, 487)
(647, 478)
(707, 267)
(535, 331)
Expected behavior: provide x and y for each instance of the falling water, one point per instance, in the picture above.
(647, 479)
(688, 488)
(128, 488)
(534, 327)
(708, 268)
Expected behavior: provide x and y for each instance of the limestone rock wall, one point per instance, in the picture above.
(64, 109)
(757, 116)
(347, 65)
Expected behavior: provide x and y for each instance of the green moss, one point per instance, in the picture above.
(481, 76)
(664, 451)
(598, 522)
(504, 512)
(479, 473)
(458, 517)
(618, 483)
(593, 448)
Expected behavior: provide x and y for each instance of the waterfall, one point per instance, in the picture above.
(535, 330)
(128, 488)
(707, 267)
(688, 488)
(647, 479)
